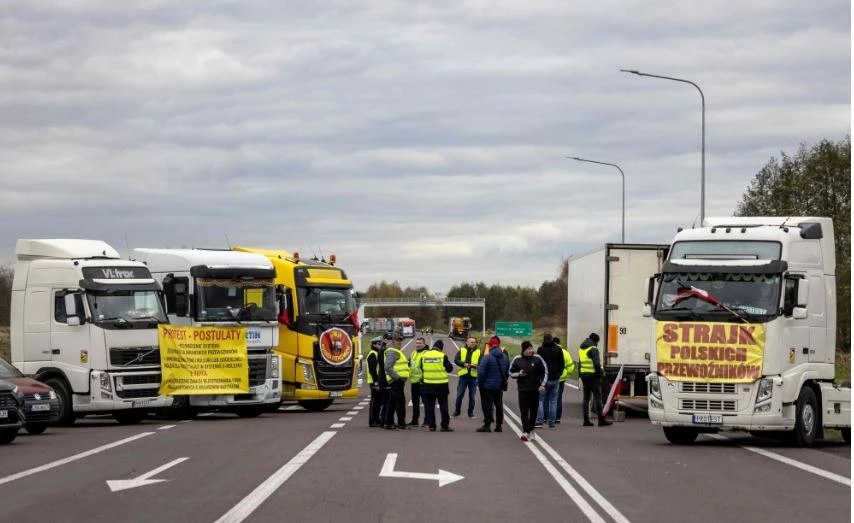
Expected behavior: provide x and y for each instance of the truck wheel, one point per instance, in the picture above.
(63, 394)
(315, 405)
(8, 436)
(272, 408)
(130, 416)
(680, 435)
(35, 428)
(250, 412)
(846, 434)
(806, 420)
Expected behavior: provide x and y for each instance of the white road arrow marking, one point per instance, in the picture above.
(140, 481)
(443, 477)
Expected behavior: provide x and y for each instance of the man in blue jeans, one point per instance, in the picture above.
(466, 360)
(553, 356)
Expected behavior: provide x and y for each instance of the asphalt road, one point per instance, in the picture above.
(330, 466)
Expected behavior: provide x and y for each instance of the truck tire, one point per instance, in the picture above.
(35, 428)
(315, 405)
(8, 436)
(272, 408)
(680, 435)
(130, 416)
(846, 434)
(250, 412)
(807, 422)
(63, 393)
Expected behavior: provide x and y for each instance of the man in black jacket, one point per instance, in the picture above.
(590, 370)
(553, 356)
(377, 383)
(529, 371)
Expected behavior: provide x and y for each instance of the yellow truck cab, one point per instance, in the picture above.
(318, 325)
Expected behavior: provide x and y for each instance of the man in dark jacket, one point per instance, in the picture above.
(553, 356)
(492, 372)
(590, 369)
(377, 383)
(529, 370)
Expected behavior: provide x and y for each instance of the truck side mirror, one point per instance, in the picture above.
(795, 295)
(800, 310)
(177, 291)
(646, 310)
(286, 308)
(650, 288)
(73, 313)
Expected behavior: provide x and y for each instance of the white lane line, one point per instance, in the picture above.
(789, 461)
(359, 407)
(337, 426)
(69, 459)
(583, 483)
(293, 407)
(166, 427)
(245, 507)
(345, 418)
(352, 412)
(573, 494)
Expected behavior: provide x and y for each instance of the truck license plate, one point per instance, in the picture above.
(708, 419)
(40, 407)
(336, 394)
(4, 414)
(139, 403)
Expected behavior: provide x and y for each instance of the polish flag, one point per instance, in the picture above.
(694, 292)
(615, 391)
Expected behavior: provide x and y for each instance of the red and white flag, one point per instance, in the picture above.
(694, 292)
(616, 388)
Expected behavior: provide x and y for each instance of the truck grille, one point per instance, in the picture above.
(707, 388)
(139, 379)
(133, 356)
(708, 405)
(332, 377)
(257, 370)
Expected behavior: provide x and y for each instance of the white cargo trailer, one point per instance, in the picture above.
(606, 295)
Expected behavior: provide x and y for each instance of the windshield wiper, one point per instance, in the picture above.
(125, 324)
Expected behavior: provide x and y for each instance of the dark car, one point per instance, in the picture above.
(11, 411)
(41, 406)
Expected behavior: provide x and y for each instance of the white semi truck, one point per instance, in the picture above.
(224, 288)
(605, 295)
(745, 318)
(85, 322)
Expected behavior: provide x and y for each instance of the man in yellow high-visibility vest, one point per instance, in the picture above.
(590, 369)
(434, 386)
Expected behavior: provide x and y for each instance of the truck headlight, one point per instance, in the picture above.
(105, 382)
(764, 395)
(307, 371)
(654, 386)
(274, 367)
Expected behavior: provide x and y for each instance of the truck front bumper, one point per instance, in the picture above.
(264, 394)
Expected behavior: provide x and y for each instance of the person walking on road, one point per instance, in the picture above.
(590, 369)
(397, 371)
(415, 378)
(492, 372)
(553, 356)
(568, 368)
(434, 386)
(466, 359)
(529, 371)
(377, 382)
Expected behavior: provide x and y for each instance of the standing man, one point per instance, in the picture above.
(529, 371)
(377, 383)
(590, 369)
(568, 368)
(415, 379)
(397, 371)
(553, 356)
(492, 372)
(466, 359)
(434, 386)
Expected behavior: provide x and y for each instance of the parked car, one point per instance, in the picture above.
(11, 411)
(41, 406)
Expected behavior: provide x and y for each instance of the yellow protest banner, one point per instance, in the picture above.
(710, 352)
(203, 360)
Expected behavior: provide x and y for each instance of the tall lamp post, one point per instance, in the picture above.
(702, 135)
(623, 235)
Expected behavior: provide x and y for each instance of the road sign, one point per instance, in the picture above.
(514, 328)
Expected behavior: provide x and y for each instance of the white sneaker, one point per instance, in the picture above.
(532, 436)
(524, 436)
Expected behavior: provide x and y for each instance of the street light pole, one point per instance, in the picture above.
(623, 235)
(702, 134)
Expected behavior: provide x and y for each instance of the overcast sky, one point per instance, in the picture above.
(422, 142)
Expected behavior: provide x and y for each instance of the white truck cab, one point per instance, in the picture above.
(85, 322)
(224, 288)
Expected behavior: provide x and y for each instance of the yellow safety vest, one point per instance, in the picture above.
(475, 357)
(585, 363)
(368, 370)
(414, 361)
(433, 362)
(401, 366)
(568, 365)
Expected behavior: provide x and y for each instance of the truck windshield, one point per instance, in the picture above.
(126, 308)
(219, 299)
(754, 297)
(323, 300)
(8, 371)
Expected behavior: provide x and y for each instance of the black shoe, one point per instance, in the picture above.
(432, 429)
(587, 423)
(557, 421)
(446, 429)
(390, 427)
(413, 422)
(403, 427)
(497, 428)
(604, 423)
(484, 428)
(424, 425)
(455, 414)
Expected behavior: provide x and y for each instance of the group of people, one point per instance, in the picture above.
(540, 378)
